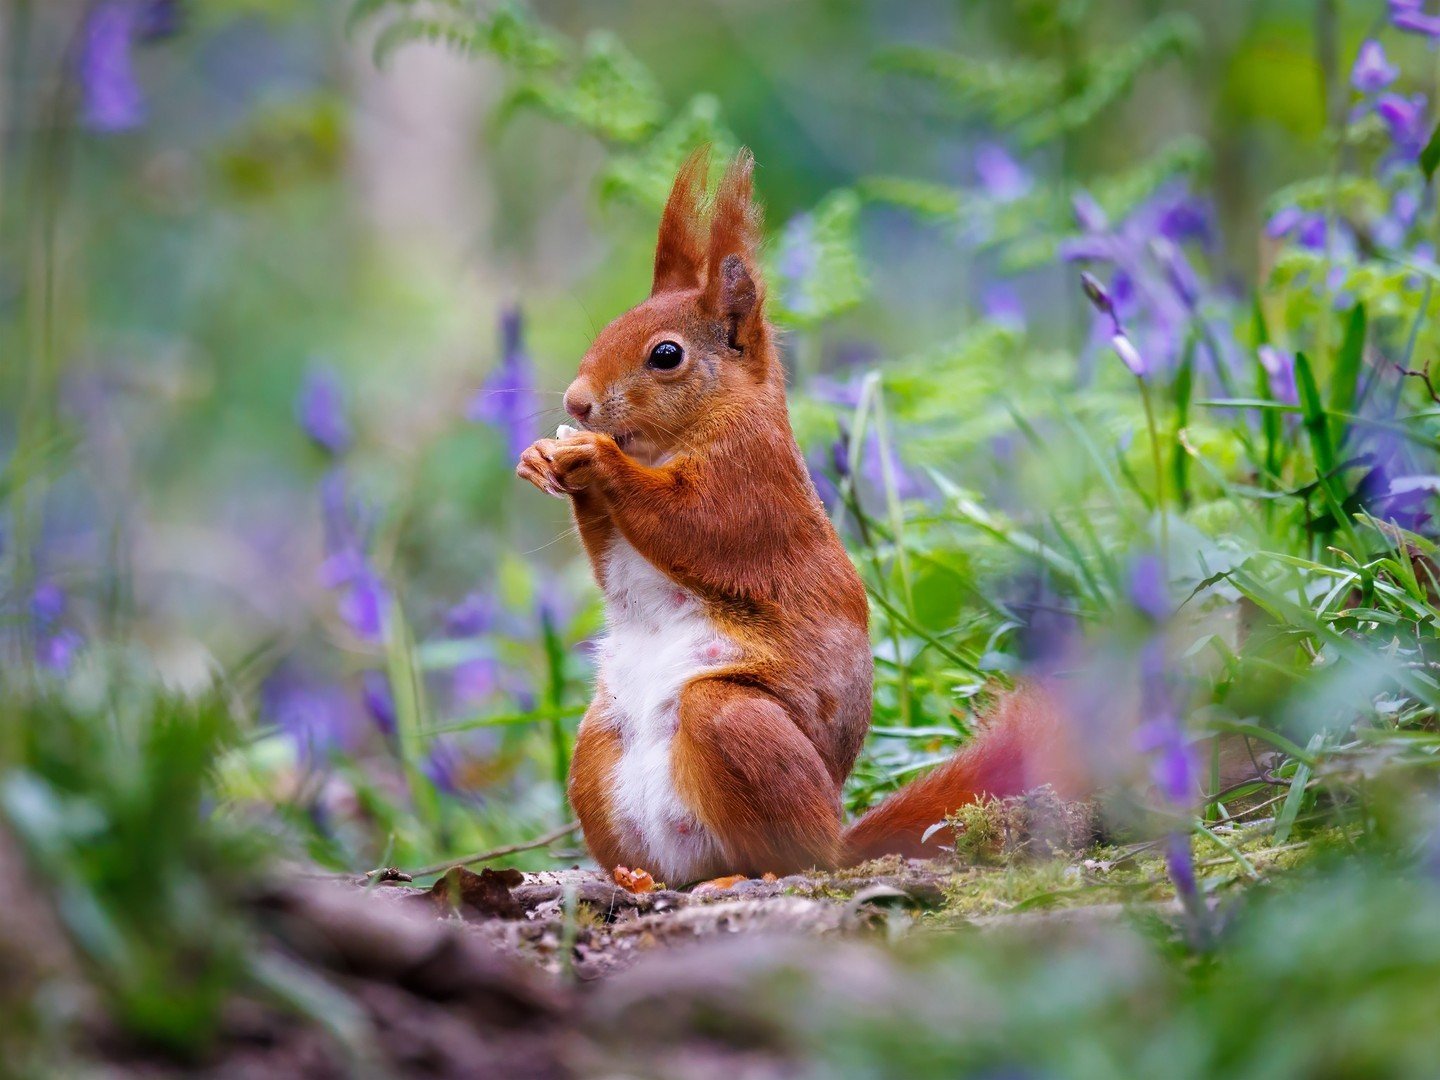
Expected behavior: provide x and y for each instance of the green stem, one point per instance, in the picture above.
(1155, 456)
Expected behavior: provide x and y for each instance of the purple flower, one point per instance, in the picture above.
(1129, 355)
(460, 766)
(507, 399)
(1405, 119)
(1280, 373)
(1002, 177)
(1284, 221)
(1311, 232)
(161, 19)
(1372, 70)
(1178, 270)
(1185, 219)
(55, 644)
(1161, 732)
(1099, 298)
(320, 408)
(47, 604)
(363, 605)
(379, 701)
(319, 718)
(364, 599)
(840, 456)
(1149, 591)
(474, 680)
(1409, 15)
(471, 617)
(825, 488)
(1180, 864)
(56, 651)
(1088, 214)
(1003, 307)
(111, 99)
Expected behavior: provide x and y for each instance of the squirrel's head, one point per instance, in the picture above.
(699, 345)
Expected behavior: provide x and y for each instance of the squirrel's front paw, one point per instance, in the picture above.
(562, 466)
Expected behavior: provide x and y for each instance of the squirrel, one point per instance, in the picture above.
(734, 685)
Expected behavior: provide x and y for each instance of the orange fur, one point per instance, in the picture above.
(697, 471)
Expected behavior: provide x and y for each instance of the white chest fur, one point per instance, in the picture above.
(658, 639)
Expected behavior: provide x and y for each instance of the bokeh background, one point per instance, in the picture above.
(285, 288)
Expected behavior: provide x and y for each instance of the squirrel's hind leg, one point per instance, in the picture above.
(756, 783)
(592, 769)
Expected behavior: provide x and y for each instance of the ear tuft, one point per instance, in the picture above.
(680, 248)
(733, 289)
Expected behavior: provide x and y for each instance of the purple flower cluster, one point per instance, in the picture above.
(507, 400)
(1410, 16)
(1155, 295)
(364, 599)
(110, 96)
(56, 643)
(1161, 734)
(320, 410)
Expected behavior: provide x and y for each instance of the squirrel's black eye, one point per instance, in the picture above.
(666, 356)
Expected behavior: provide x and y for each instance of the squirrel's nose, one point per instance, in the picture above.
(578, 405)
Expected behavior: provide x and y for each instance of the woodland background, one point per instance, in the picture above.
(1109, 328)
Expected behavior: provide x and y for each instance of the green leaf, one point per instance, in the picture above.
(1430, 156)
(1346, 377)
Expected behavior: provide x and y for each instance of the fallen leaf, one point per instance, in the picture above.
(637, 880)
(487, 893)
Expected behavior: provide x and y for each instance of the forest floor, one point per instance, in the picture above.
(569, 973)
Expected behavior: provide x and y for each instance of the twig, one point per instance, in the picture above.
(509, 849)
(1424, 376)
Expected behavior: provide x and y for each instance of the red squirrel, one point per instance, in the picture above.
(734, 684)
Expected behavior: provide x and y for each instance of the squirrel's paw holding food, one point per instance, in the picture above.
(564, 465)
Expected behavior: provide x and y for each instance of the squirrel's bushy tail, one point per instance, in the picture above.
(1024, 742)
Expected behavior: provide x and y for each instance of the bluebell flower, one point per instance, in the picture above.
(1372, 71)
(364, 599)
(1154, 294)
(320, 409)
(507, 400)
(1405, 119)
(472, 616)
(160, 19)
(1410, 16)
(1311, 232)
(1149, 590)
(1003, 307)
(1186, 218)
(1279, 370)
(472, 681)
(318, 717)
(1173, 770)
(1284, 221)
(1000, 175)
(56, 644)
(461, 766)
(379, 701)
(111, 99)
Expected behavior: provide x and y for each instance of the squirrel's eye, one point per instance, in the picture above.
(666, 356)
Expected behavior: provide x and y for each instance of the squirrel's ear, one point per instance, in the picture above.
(733, 289)
(680, 249)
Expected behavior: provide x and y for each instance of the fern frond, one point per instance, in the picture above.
(1107, 82)
(1004, 92)
(937, 202)
(644, 177)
